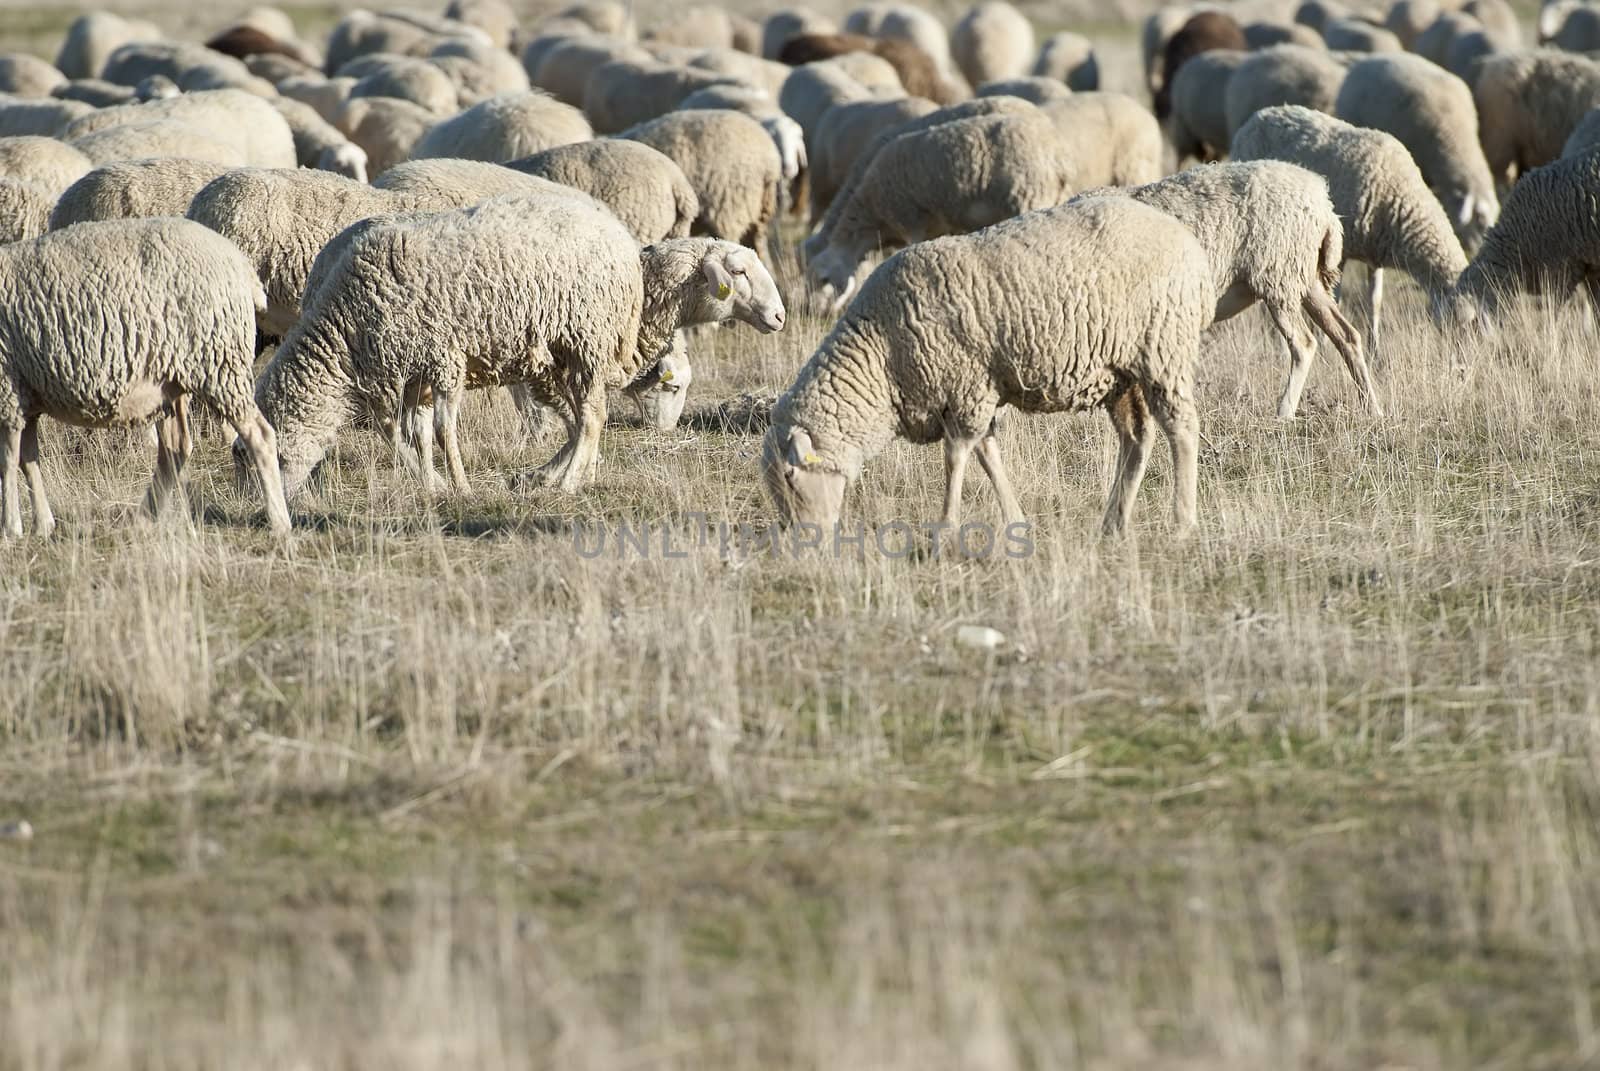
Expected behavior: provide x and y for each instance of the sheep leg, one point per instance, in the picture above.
(262, 443)
(1130, 417)
(1302, 351)
(1374, 306)
(446, 418)
(957, 450)
(44, 522)
(10, 459)
(590, 414)
(1180, 421)
(989, 458)
(171, 433)
(1324, 312)
(535, 416)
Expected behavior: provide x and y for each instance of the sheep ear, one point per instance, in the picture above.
(717, 276)
(1467, 204)
(799, 451)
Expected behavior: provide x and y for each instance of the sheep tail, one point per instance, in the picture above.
(1330, 258)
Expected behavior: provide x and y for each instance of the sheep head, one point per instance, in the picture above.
(739, 287)
(349, 160)
(805, 488)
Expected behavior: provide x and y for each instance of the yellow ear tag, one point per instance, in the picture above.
(666, 377)
(811, 459)
(723, 291)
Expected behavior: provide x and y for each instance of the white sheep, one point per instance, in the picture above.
(780, 26)
(916, 26)
(1273, 236)
(178, 321)
(318, 143)
(844, 133)
(479, 71)
(1545, 242)
(233, 117)
(494, 17)
(1098, 303)
(22, 75)
(561, 65)
(1114, 139)
(402, 33)
(93, 37)
(49, 164)
(1035, 89)
(24, 210)
(609, 17)
(992, 41)
(1068, 58)
(621, 94)
(1435, 42)
(647, 191)
(327, 96)
(1430, 110)
(95, 91)
(548, 292)
(1391, 219)
(1528, 104)
(1284, 74)
(379, 74)
(1198, 125)
(191, 67)
(386, 129)
(1356, 35)
(133, 189)
(505, 128)
(732, 163)
(44, 118)
(1408, 19)
(164, 137)
(946, 179)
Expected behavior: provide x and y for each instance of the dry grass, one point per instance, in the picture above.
(1317, 788)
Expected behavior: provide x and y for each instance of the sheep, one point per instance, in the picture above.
(1205, 32)
(48, 164)
(913, 25)
(698, 26)
(1553, 15)
(192, 67)
(915, 70)
(844, 133)
(24, 210)
(947, 179)
(1584, 136)
(754, 101)
(1408, 19)
(1115, 140)
(1068, 58)
(274, 67)
(264, 31)
(134, 189)
(1430, 110)
(505, 128)
(1097, 303)
(232, 117)
(740, 66)
(622, 94)
(93, 37)
(1433, 44)
(1160, 25)
(1198, 124)
(362, 32)
(1286, 74)
(494, 17)
(732, 163)
(1262, 34)
(22, 75)
(1498, 19)
(1318, 13)
(161, 137)
(564, 69)
(1545, 241)
(1579, 31)
(1356, 35)
(993, 40)
(552, 293)
(1528, 103)
(479, 71)
(647, 191)
(327, 96)
(176, 318)
(1391, 218)
(93, 91)
(1468, 53)
(1034, 90)
(318, 143)
(378, 74)
(811, 90)
(45, 118)
(386, 129)
(609, 17)
(780, 26)
(1273, 236)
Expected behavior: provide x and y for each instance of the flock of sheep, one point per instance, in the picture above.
(425, 205)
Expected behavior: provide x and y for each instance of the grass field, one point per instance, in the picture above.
(426, 786)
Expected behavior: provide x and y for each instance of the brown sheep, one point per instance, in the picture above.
(1204, 32)
(918, 72)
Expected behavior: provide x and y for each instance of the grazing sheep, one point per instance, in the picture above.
(992, 41)
(176, 318)
(621, 94)
(362, 32)
(1160, 25)
(1286, 74)
(327, 96)
(1273, 236)
(479, 71)
(754, 101)
(1468, 53)
(22, 75)
(1068, 58)
(1356, 35)
(1098, 303)
(134, 189)
(318, 143)
(46, 163)
(647, 191)
(24, 210)
(1498, 20)
(45, 118)
(947, 179)
(439, 184)
(844, 133)
(386, 129)
(915, 70)
(1430, 110)
(811, 90)
(782, 25)
(94, 91)
(1198, 124)
(733, 165)
(1528, 104)
(1391, 218)
(233, 117)
(494, 17)
(906, 22)
(505, 128)
(1433, 44)
(1545, 241)
(551, 293)
(1205, 32)
(1262, 34)
(274, 67)
(162, 137)
(697, 26)
(1585, 136)
(1579, 31)
(1115, 140)
(379, 74)
(191, 67)
(563, 67)
(1034, 90)
(1407, 19)
(93, 37)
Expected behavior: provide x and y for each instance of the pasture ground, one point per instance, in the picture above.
(1316, 788)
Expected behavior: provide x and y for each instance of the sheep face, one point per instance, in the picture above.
(739, 287)
(349, 160)
(1452, 310)
(804, 488)
(1471, 214)
(660, 394)
(835, 273)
